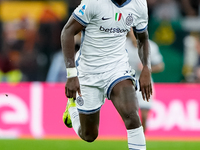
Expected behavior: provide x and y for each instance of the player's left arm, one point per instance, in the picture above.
(144, 54)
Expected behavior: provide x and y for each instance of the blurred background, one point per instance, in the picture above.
(31, 57)
(30, 37)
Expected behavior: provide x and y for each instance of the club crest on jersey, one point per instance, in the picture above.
(82, 10)
(118, 16)
(80, 101)
(129, 20)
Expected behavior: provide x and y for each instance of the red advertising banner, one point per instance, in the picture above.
(35, 110)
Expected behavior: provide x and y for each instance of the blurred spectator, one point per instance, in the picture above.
(19, 40)
(32, 46)
(57, 70)
(9, 64)
(197, 69)
(191, 66)
(190, 7)
(48, 41)
(1, 31)
(19, 34)
(151, 4)
(173, 9)
(28, 65)
(165, 9)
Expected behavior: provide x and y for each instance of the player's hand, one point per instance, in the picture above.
(145, 83)
(71, 87)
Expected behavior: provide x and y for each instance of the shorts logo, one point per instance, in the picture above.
(129, 20)
(79, 101)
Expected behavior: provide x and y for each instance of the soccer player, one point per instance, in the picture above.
(157, 65)
(102, 70)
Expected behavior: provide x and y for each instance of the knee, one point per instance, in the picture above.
(132, 120)
(90, 136)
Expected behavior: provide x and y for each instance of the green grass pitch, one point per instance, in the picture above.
(50, 144)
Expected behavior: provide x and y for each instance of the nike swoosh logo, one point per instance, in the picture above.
(105, 18)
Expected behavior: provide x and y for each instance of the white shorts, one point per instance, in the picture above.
(96, 87)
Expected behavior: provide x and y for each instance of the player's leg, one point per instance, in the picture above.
(125, 101)
(88, 130)
(144, 115)
(85, 125)
(84, 113)
(124, 98)
(144, 109)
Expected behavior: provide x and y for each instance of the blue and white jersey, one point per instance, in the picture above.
(106, 26)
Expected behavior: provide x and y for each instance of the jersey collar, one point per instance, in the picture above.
(125, 3)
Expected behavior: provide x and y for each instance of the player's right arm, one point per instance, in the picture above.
(80, 18)
(71, 28)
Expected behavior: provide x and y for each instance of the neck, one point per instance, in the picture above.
(120, 2)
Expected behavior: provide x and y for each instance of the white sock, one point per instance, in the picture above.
(136, 139)
(75, 119)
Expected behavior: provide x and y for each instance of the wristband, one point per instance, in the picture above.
(71, 72)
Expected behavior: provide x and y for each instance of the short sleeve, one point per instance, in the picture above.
(84, 12)
(142, 19)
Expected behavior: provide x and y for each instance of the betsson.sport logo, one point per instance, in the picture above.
(112, 30)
